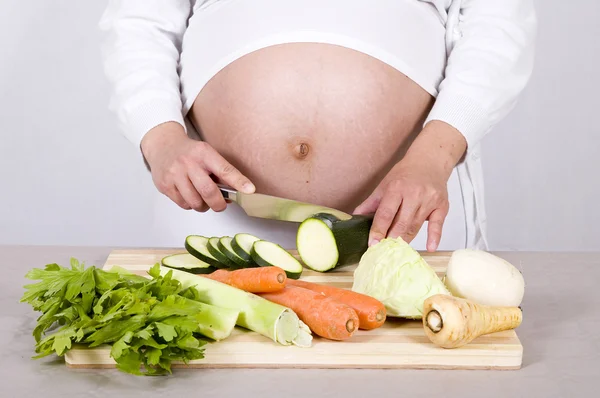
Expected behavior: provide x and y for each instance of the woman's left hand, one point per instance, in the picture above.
(415, 190)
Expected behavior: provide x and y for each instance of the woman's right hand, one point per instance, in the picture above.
(181, 169)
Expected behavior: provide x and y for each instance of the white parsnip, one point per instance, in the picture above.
(452, 322)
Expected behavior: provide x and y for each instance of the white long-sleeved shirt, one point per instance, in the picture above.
(490, 55)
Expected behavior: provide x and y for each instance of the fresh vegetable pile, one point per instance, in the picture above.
(392, 279)
(480, 292)
(221, 282)
(149, 322)
(329, 312)
(277, 322)
(269, 271)
(486, 294)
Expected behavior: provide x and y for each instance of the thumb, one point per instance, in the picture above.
(370, 205)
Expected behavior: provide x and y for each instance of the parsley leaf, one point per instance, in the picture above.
(148, 322)
(167, 332)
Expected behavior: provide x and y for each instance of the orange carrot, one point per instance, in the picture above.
(371, 312)
(253, 280)
(325, 316)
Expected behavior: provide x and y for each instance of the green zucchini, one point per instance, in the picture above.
(188, 263)
(224, 246)
(197, 246)
(242, 245)
(267, 254)
(213, 248)
(325, 242)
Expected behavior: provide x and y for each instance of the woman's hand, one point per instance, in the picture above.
(415, 190)
(181, 169)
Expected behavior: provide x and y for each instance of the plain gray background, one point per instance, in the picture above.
(68, 176)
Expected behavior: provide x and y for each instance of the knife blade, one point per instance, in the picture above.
(276, 208)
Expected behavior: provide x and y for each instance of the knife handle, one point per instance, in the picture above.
(228, 193)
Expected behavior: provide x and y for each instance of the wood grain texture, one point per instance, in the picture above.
(397, 344)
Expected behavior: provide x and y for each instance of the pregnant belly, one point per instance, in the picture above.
(312, 122)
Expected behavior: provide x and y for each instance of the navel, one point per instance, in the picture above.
(301, 150)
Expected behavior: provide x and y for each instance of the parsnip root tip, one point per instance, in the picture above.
(434, 321)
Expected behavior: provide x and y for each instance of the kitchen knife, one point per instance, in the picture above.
(275, 208)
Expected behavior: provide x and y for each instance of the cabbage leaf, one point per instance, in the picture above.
(395, 274)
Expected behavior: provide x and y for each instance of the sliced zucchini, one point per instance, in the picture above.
(242, 245)
(325, 242)
(188, 263)
(197, 246)
(267, 254)
(225, 248)
(213, 248)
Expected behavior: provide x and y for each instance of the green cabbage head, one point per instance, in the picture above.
(396, 274)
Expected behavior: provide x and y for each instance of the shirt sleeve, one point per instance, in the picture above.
(140, 56)
(490, 61)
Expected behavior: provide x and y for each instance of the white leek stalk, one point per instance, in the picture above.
(262, 316)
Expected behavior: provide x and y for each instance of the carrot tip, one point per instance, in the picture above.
(280, 278)
(350, 327)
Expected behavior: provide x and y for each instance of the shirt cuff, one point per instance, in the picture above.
(462, 113)
(149, 115)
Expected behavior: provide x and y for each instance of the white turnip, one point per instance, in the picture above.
(484, 278)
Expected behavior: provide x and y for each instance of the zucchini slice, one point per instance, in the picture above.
(213, 248)
(188, 263)
(225, 248)
(242, 245)
(267, 254)
(197, 246)
(325, 242)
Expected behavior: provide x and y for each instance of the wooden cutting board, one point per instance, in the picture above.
(397, 344)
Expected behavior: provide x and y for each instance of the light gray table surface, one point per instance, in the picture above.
(560, 335)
